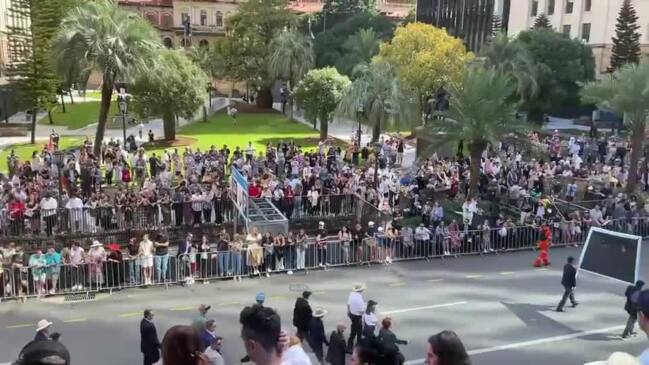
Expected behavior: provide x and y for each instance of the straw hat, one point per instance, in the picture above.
(358, 287)
(320, 312)
(42, 324)
(95, 244)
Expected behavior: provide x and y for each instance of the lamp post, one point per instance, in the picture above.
(359, 113)
(377, 150)
(122, 99)
(58, 160)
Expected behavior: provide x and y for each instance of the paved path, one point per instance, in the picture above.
(501, 307)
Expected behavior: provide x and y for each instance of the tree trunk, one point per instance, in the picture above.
(169, 125)
(33, 138)
(475, 152)
(324, 127)
(104, 108)
(417, 121)
(49, 116)
(204, 114)
(62, 103)
(265, 98)
(636, 151)
(376, 130)
(71, 98)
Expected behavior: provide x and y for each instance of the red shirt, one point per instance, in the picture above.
(16, 209)
(254, 191)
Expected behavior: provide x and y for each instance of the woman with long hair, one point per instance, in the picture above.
(445, 348)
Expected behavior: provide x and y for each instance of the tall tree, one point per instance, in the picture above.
(358, 49)
(626, 43)
(626, 93)
(291, 58)
(34, 24)
(542, 22)
(426, 60)
(252, 29)
(319, 93)
(375, 95)
(98, 35)
(174, 87)
(481, 113)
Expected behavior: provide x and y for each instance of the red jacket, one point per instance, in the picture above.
(16, 209)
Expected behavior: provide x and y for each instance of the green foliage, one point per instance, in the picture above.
(626, 93)
(542, 22)
(174, 86)
(328, 46)
(626, 43)
(319, 93)
(562, 64)
(358, 49)
(100, 36)
(291, 57)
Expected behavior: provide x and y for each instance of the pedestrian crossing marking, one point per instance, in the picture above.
(279, 297)
(319, 292)
(20, 325)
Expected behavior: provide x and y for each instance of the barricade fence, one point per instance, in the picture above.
(97, 273)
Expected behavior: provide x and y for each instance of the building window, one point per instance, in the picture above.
(203, 17)
(587, 5)
(585, 32)
(550, 7)
(219, 19)
(566, 29)
(167, 21)
(535, 7)
(152, 18)
(569, 5)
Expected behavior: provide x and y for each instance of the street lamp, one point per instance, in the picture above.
(122, 99)
(359, 113)
(377, 151)
(58, 160)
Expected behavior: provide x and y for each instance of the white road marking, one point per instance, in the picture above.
(423, 308)
(540, 341)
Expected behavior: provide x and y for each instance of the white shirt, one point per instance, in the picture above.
(295, 355)
(49, 205)
(74, 203)
(370, 319)
(468, 209)
(213, 356)
(356, 303)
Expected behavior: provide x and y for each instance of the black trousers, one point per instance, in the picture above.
(356, 330)
(150, 360)
(568, 293)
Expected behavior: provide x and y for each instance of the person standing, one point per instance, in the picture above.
(317, 335)
(149, 342)
(632, 292)
(302, 315)
(355, 309)
(201, 319)
(569, 282)
(643, 321)
(337, 346)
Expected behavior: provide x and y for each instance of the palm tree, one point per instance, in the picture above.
(374, 96)
(481, 112)
(626, 92)
(359, 48)
(292, 57)
(511, 58)
(100, 36)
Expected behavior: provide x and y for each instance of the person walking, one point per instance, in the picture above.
(355, 309)
(42, 330)
(631, 307)
(302, 315)
(337, 346)
(569, 282)
(369, 321)
(149, 342)
(317, 335)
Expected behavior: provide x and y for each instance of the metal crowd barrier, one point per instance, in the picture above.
(19, 282)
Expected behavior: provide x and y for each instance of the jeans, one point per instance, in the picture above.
(224, 263)
(300, 258)
(134, 271)
(630, 323)
(161, 264)
(236, 263)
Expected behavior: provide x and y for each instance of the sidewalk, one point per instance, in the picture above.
(346, 130)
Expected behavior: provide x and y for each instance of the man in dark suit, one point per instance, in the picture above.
(337, 346)
(302, 315)
(149, 342)
(632, 292)
(569, 282)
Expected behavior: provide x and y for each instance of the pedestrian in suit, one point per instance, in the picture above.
(149, 342)
(569, 282)
(390, 340)
(337, 346)
(302, 315)
(631, 306)
(317, 335)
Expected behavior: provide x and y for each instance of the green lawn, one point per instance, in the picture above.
(79, 115)
(24, 151)
(258, 128)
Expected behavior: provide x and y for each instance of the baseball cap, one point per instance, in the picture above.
(43, 352)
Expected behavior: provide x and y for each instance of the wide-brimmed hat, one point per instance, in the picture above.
(619, 358)
(95, 244)
(42, 324)
(320, 312)
(358, 287)
(370, 223)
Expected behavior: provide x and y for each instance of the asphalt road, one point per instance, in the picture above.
(501, 307)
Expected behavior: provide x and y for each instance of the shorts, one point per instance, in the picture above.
(147, 261)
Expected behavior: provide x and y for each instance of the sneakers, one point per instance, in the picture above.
(290, 272)
(267, 275)
(52, 291)
(559, 310)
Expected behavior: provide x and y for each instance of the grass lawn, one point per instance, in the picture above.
(79, 115)
(24, 151)
(258, 128)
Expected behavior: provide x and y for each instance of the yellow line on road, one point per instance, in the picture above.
(75, 320)
(279, 297)
(507, 273)
(130, 314)
(401, 283)
(474, 276)
(435, 280)
(179, 309)
(20, 325)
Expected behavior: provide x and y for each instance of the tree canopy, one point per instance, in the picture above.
(358, 49)
(542, 22)
(626, 43)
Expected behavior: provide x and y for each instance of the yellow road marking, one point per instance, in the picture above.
(130, 314)
(435, 280)
(401, 283)
(278, 297)
(224, 304)
(507, 273)
(20, 325)
(475, 276)
(75, 320)
(179, 309)
(319, 292)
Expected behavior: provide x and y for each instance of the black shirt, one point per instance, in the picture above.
(160, 251)
(569, 278)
